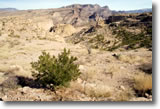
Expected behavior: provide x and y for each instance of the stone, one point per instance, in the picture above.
(79, 80)
(81, 67)
(26, 90)
(122, 87)
(4, 98)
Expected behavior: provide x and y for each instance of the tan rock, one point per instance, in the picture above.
(122, 87)
(26, 90)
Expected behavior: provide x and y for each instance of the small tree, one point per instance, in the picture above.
(51, 71)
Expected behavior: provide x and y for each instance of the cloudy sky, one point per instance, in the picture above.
(43, 4)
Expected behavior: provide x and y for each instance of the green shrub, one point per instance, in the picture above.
(98, 42)
(51, 71)
(132, 40)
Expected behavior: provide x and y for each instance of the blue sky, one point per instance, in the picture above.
(43, 4)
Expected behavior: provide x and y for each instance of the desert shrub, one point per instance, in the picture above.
(143, 84)
(132, 40)
(51, 71)
(97, 91)
(98, 42)
(125, 95)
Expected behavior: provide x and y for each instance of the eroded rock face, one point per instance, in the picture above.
(80, 14)
(63, 29)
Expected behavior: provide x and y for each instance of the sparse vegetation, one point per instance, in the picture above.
(143, 84)
(52, 71)
(98, 92)
(17, 36)
(100, 75)
(132, 40)
(22, 29)
(98, 42)
(13, 43)
(125, 95)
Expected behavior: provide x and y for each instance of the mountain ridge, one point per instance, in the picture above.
(134, 11)
(8, 9)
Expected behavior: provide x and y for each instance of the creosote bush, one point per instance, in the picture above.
(51, 72)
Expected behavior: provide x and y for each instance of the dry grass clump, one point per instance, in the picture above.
(14, 70)
(93, 86)
(143, 82)
(77, 86)
(124, 95)
(12, 42)
(114, 68)
(97, 91)
(130, 58)
(90, 75)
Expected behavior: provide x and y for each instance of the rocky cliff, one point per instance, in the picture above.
(80, 14)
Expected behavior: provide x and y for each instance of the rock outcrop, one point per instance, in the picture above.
(78, 15)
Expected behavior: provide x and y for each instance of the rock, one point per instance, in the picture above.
(147, 95)
(79, 80)
(81, 67)
(4, 98)
(150, 97)
(26, 90)
(122, 87)
(140, 99)
(63, 29)
(122, 68)
(15, 68)
(78, 15)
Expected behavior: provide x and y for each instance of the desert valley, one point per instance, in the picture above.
(113, 50)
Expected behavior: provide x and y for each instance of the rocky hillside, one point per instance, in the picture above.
(134, 30)
(76, 15)
(80, 14)
(110, 71)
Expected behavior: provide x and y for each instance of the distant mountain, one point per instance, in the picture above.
(134, 11)
(78, 14)
(8, 9)
(75, 14)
